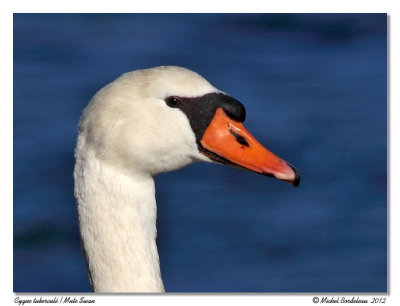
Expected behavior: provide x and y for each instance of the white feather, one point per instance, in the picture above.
(127, 134)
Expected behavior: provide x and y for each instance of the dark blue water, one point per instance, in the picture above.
(315, 91)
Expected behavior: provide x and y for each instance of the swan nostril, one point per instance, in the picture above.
(240, 139)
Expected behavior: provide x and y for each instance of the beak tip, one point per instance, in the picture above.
(296, 181)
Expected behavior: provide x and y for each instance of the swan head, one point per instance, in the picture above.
(164, 118)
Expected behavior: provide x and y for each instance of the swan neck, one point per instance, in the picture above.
(117, 216)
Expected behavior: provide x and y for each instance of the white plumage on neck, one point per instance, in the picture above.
(118, 227)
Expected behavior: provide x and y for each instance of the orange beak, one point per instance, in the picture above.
(227, 141)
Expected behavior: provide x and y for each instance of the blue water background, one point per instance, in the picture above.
(315, 90)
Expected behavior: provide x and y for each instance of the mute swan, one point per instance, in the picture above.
(146, 122)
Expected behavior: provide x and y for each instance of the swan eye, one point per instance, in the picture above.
(172, 101)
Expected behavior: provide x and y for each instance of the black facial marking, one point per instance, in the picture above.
(240, 139)
(201, 110)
